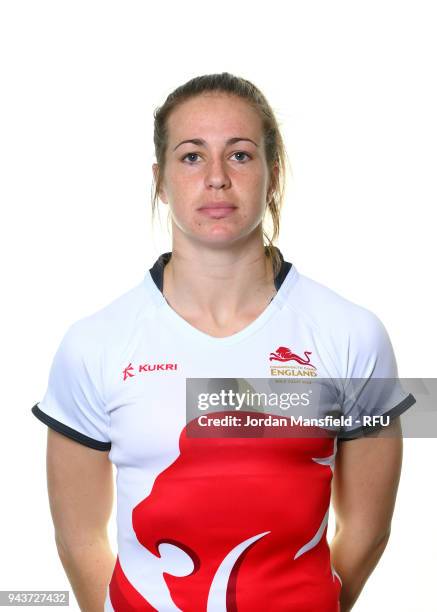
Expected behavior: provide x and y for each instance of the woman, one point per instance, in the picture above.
(229, 522)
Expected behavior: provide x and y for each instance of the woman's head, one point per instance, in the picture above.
(248, 173)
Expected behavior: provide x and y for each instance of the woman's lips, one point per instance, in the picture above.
(217, 212)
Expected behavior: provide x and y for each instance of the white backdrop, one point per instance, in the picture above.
(353, 85)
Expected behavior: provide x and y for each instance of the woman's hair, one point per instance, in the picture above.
(274, 146)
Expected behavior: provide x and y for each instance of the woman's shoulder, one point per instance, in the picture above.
(329, 309)
(353, 335)
(117, 319)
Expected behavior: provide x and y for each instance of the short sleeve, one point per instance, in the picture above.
(73, 403)
(372, 388)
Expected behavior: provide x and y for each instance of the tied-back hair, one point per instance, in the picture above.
(273, 143)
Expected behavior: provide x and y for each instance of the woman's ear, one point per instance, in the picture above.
(161, 193)
(273, 181)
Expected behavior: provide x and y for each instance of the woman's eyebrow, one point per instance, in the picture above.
(201, 143)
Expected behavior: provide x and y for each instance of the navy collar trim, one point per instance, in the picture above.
(157, 270)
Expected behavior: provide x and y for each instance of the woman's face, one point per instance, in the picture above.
(225, 165)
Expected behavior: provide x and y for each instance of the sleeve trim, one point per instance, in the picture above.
(70, 432)
(354, 434)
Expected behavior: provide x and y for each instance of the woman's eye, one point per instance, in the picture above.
(242, 153)
(191, 155)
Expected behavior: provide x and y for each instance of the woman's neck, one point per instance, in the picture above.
(219, 285)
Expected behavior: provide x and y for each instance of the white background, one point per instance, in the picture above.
(353, 87)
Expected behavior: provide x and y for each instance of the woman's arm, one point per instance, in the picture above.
(364, 488)
(80, 488)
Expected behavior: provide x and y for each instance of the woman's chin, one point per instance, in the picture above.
(223, 240)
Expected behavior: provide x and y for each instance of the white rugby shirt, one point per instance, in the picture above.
(214, 524)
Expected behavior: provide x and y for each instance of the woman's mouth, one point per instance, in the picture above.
(217, 211)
